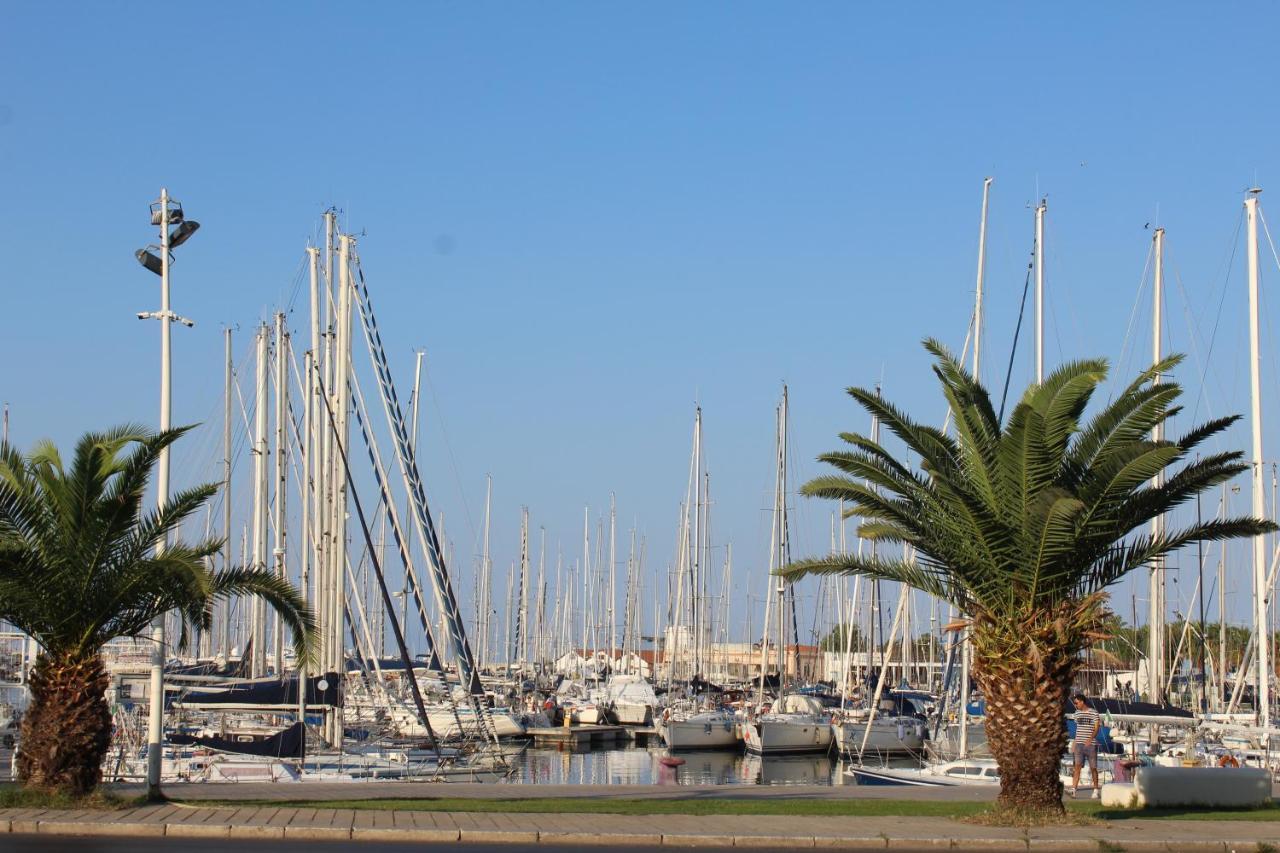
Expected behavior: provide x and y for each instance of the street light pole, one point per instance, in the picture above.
(155, 718)
(164, 212)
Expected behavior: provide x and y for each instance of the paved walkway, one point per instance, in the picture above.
(854, 833)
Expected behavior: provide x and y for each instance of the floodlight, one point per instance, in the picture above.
(149, 261)
(183, 232)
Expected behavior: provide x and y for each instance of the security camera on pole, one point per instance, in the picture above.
(164, 213)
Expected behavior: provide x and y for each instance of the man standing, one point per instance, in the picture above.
(1085, 745)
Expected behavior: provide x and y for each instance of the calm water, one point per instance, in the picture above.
(640, 766)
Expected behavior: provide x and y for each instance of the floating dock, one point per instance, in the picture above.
(642, 735)
(577, 735)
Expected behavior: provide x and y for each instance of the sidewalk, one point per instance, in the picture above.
(850, 833)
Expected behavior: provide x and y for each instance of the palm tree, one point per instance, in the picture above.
(79, 568)
(1022, 525)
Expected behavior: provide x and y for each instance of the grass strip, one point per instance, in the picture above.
(15, 796)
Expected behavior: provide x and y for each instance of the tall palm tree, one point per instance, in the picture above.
(1022, 525)
(79, 568)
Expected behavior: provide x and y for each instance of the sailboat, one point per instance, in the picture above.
(795, 723)
(692, 722)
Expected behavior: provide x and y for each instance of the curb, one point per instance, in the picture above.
(373, 834)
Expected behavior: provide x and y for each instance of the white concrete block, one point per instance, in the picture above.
(1121, 795)
(1204, 787)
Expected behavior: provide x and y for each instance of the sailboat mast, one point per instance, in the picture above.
(780, 521)
(415, 407)
(586, 574)
(982, 273)
(337, 442)
(1259, 508)
(613, 592)
(705, 638)
(324, 593)
(1221, 680)
(307, 442)
(226, 492)
(485, 605)
(540, 592)
(259, 662)
(522, 616)
(873, 612)
(282, 483)
(695, 564)
(506, 611)
(726, 585)
(1040, 211)
(1155, 621)
(977, 374)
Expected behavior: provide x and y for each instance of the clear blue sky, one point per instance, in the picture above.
(593, 215)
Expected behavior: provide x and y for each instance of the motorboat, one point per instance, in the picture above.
(965, 771)
(631, 700)
(969, 771)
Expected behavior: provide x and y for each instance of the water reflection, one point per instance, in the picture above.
(639, 766)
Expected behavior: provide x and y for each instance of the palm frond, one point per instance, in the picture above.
(1025, 516)
(78, 554)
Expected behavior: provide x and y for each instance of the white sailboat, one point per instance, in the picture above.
(801, 725)
(710, 729)
(888, 736)
(796, 723)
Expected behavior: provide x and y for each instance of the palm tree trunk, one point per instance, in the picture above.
(1027, 737)
(1025, 671)
(67, 728)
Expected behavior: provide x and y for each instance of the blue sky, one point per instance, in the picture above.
(593, 216)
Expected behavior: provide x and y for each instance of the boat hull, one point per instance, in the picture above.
(887, 737)
(444, 725)
(980, 773)
(781, 736)
(632, 715)
(707, 733)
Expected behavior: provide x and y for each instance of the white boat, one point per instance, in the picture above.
(967, 771)
(444, 722)
(589, 714)
(775, 734)
(972, 771)
(888, 736)
(583, 704)
(631, 699)
(706, 730)
(944, 744)
(801, 725)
